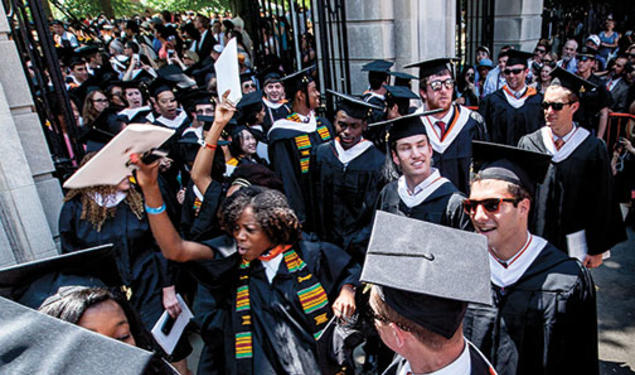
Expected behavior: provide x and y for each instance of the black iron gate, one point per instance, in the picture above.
(474, 28)
(301, 33)
(30, 32)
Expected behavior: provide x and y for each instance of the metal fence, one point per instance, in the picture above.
(474, 28)
(30, 32)
(297, 34)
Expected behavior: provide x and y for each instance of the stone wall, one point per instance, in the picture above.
(517, 22)
(30, 198)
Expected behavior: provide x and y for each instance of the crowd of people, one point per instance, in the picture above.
(309, 245)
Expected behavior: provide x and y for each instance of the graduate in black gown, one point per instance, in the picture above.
(276, 106)
(543, 320)
(576, 198)
(115, 214)
(450, 131)
(513, 110)
(594, 100)
(418, 190)
(423, 277)
(293, 140)
(347, 178)
(275, 289)
(378, 71)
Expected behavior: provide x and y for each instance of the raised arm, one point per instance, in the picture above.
(172, 245)
(202, 169)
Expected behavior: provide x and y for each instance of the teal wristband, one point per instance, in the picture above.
(154, 210)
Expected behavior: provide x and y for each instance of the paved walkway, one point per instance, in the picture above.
(615, 281)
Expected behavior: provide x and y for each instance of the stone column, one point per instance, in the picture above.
(518, 23)
(30, 198)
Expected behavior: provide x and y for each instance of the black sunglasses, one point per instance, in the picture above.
(510, 71)
(555, 105)
(585, 58)
(540, 50)
(491, 205)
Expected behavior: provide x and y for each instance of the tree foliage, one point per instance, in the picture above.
(122, 8)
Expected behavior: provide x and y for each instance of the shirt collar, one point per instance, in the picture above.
(447, 117)
(271, 266)
(434, 175)
(462, 365)
(567, 136)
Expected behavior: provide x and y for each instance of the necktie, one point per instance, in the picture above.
(441, 126)
(559, 143)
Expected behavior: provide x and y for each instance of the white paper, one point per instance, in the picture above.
(228, 73)
(576, 243)
(108, 167)
(168, 342)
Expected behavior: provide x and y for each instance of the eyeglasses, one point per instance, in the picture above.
(491, 205)
(585, 58)
(100, 100)
(540, 50)
(555, 105)
(436, 85)
(253, 85)
(514, 71)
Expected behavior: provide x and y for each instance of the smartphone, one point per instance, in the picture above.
(167, 325)
(170, 53)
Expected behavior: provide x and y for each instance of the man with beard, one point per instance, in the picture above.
(449, 132)
(293, 140)
(346, 175)
(514, 110)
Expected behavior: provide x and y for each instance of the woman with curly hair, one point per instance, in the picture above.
(278, 291)
(104, 214)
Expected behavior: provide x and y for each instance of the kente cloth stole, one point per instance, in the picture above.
(303, 143)
(311, 295)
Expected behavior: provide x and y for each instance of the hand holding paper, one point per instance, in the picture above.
(228, 73)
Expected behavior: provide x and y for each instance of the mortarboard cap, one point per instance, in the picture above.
(380, 66)
(160, 85)
(433, 66)
(188, 146)
(427, 272)
(354, 107)
(174, 73)
(587, 51)
(31, 283)
(512, 164)
(402, 79)
(405, 126)
(516, 57)
(297, 81)
(133, 83)
(102, 129)
(269, 75)
(250, 100)
(573, 82)
(191, 98)
(400, 92)
(34, 343)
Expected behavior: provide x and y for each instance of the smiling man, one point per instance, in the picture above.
(576, 198)
(276, 106)
(451, 131)
(513, 110)
(346, 175)
(419, 190)
(543, 320)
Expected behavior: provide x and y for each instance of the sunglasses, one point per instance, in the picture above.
(540, 50)
(436, 85)
(491, 205)
(584, 58)
(245, 85)
(555, 105)
(514, 71)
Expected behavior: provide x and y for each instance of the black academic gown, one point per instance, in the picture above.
(591, 102)
(545, 323)
(292, 165)
(282, 343)
(454, 162)
(444, 206)
(577, 194)
(274, 114)
(199, 220)
(376, 134)
(479, 366)
(506, 124)
(140, 263)
(345, 195)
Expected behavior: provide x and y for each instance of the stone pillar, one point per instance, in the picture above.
(30, 198)
(518, 23)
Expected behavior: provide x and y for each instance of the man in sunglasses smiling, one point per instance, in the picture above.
(451, 131)
(544, 310)
(575, 199)
(513, 110)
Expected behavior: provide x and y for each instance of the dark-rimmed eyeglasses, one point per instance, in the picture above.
(253, 85)
(514, 71)
(491, 205)
(555, 105)
(436, 85)
(540, 50)
(100, 100)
